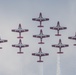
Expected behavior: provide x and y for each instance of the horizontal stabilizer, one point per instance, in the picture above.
(41, 43)
(20, 52)
(20, 37)
(40, 26)
(39, 61)
(60, 52)
(57, 34)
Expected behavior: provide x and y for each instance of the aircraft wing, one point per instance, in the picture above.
(15, 30)
(24, 45)
(37, 36)
(62, 28)
(45, 36)
(36, 54)
(64, 45)
(1, 41)
(54, 28)
(56, 45)
(45, 19)
(15, 45)
(24, 30)
(74, 38)
(44, 54)
(36, 19)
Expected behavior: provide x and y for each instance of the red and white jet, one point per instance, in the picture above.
(40, 54)
(60, 45)
(20, 45)
(58, 28)
(19, 30)
(73, 38)
(40, 19)
(2, 41)
(41, 36)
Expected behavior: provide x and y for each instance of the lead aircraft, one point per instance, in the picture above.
(19, 30)
(40, 54)
(40, 19)
(58, 28)
(20, 45)
(60, 45)
(41, 36)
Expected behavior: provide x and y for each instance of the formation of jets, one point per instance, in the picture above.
(20, 45)
(41, 36)
(40, 19)
(58, 28)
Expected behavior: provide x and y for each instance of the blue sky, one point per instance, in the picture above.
(13, 12)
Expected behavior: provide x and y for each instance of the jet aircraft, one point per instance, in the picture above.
(19, 30)
(58, 28)
(20, 45)
(2, 41)
(40, 54)
(73, 38)
(60, 45)
(41, 36)
(40, 19)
